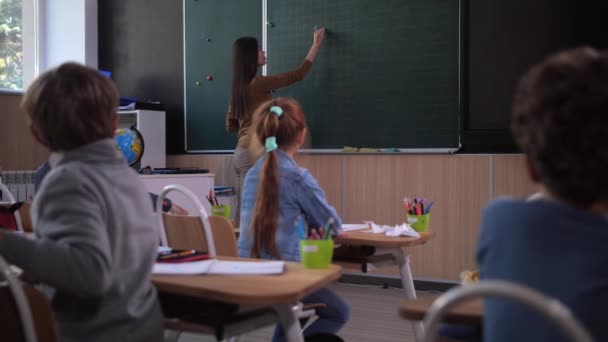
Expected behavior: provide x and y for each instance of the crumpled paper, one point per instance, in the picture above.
(403, 229)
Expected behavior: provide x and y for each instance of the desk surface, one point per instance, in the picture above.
(470, 312)
(177, 175)
(361, 238)
(289, 287)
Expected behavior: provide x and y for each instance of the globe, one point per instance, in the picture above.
(131, 143)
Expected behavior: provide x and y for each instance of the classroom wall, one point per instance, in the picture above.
(141, 42)
(372, 187)
(18, 149)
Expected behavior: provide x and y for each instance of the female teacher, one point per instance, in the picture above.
(250, 90)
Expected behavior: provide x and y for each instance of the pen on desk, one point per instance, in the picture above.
(180, 254)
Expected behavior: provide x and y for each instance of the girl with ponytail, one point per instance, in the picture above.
(276, 193)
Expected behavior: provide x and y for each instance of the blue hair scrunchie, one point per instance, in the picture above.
(277, 110)
(271, 144)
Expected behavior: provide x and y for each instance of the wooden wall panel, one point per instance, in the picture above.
(328, 172)
(364, 187)
(459, 185)
(511, 177)
(18, 149)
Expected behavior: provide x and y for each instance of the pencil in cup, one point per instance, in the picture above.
(418, 213)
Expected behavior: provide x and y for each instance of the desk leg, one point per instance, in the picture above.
(290, 322)
(403, 260)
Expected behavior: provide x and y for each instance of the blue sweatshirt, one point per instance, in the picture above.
(554, 248)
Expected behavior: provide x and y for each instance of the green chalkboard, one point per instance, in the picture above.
(210, 29)
(387, 74)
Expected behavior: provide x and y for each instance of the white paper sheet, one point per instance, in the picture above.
(349, 226)
(214, 266)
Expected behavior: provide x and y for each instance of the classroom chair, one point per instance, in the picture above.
(26, 313)
(8, 197)
(549, 307)
(25, 217)
(216, 236)
(187, 232)
(193, 232)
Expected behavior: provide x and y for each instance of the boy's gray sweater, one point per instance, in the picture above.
(96, 243)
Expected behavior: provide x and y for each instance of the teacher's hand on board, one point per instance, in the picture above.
(319, 35)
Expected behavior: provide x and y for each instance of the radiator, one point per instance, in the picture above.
(19, 183)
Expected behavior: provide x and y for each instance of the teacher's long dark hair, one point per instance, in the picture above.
(244, 69)
(285, 129)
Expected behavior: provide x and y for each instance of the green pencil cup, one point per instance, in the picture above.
(221, 210)
(420, 223)
(316, 254)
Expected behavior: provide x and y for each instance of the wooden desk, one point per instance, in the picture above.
(279, 291)
(396, 249)
(469, 313)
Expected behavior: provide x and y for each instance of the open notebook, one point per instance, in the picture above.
(214, 266)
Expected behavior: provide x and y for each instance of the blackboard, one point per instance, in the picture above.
(388, 74)
(210, 28)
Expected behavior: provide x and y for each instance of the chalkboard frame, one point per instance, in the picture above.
(460, 85)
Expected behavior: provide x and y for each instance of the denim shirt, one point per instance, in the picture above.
(299, 194)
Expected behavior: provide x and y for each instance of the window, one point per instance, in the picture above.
(17, 43)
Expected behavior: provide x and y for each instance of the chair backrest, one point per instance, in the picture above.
(26, 219)
(187, 232)
(547, 306)
(26, 313)
(11, 199)
(203, 218)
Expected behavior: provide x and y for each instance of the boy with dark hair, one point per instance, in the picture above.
(555, 244)
(96, 232)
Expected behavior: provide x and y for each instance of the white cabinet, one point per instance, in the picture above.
(200, 184)
(151, 125)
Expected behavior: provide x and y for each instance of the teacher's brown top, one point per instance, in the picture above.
(260, 91)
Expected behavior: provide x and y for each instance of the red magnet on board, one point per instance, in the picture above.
(209, 78)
